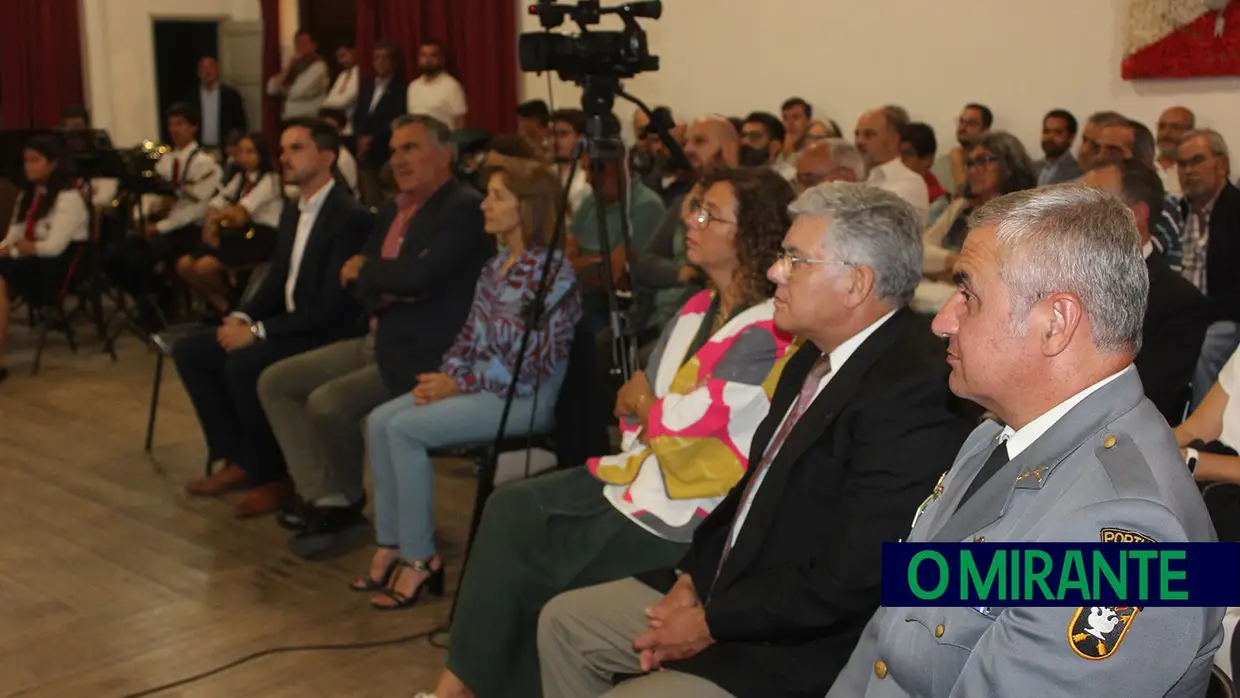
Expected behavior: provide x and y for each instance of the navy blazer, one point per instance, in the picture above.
(378, 123)
(323, 310)
(423, 296)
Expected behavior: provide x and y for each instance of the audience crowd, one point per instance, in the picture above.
(365, 298)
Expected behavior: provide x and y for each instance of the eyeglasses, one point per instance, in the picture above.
(701, 218)
(980, 161)
(1194, 161)
(790, 261)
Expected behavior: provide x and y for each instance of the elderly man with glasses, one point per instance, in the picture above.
(1211, 247)
(771, 596)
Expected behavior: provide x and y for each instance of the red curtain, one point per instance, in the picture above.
(271, 66)
(480, 45)
(40, 62)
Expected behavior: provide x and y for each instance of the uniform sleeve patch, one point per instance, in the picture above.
(1095, 632)
(1123, 535)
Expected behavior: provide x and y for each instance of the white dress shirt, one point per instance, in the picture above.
(442, 98)
(263, 203)
(305, 96)
(898, 179)
(305, 222)
(381, 88)
(66, 221)
(343, 95)
(210, 131)
(199, 178)
(1020, 439)
(837, 357)
(1170, 177)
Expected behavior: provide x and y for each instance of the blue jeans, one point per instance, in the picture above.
(399, 434)
(1222, 338)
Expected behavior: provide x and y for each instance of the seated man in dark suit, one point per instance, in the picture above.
(1176, 315)
(784, 574)
(299, 306)
(416, 275)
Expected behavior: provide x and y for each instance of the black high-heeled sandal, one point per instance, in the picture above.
(433, 584)
(369, 583)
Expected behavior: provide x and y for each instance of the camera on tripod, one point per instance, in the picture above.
(597, 54)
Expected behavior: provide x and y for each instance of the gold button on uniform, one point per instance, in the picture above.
(1109, 441)
(880, 669)
(938, 630)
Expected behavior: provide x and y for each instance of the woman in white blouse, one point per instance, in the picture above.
(51, 213)
(240, 227)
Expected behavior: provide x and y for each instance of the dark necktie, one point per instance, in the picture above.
(998, 458)
(809, 389)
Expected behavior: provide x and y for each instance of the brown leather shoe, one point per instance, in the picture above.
(264, 499)
(230, 478)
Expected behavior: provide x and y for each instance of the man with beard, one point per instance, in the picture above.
(651, 159)
(300, 305)
(1058, 132)
(975, 119)
(1172, 125)
(762, 139)
(436, 93)
(567, 128)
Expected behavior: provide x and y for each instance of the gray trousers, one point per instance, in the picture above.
(316, 403)
(585, 638)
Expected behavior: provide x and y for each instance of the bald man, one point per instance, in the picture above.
(1172, 125)
(831, 160)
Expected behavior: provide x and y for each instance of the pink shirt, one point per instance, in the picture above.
(406, 207)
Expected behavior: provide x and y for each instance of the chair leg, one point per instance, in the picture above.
(150, 420)
(66, 318)
(46, 327)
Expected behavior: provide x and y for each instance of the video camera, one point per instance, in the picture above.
(593, 54)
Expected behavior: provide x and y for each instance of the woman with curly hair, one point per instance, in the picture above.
(686, 423)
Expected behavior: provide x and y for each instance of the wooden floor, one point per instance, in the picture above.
(112, 580)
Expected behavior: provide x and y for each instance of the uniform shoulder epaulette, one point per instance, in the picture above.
(1126, 466)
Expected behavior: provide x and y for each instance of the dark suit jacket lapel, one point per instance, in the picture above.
(816, 422)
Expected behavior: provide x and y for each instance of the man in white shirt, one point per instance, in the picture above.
(1043, 332)
(299, 306)
(172, 222)
(343, 93)
(766, 601)
(1172, 125)
(878, 138)
(436, 93)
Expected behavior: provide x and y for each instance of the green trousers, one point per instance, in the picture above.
(538, 538)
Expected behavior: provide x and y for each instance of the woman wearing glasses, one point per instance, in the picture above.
(997, 164)
(686, 423)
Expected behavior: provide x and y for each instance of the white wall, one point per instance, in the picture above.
(1021, 58)
(119, 57)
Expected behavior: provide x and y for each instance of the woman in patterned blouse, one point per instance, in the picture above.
(686, 424)
(463, 402)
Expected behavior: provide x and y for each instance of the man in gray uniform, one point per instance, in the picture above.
(1042, 332)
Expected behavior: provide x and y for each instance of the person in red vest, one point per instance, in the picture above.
(51, 213)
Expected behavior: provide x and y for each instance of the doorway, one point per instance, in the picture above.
(178, 46)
